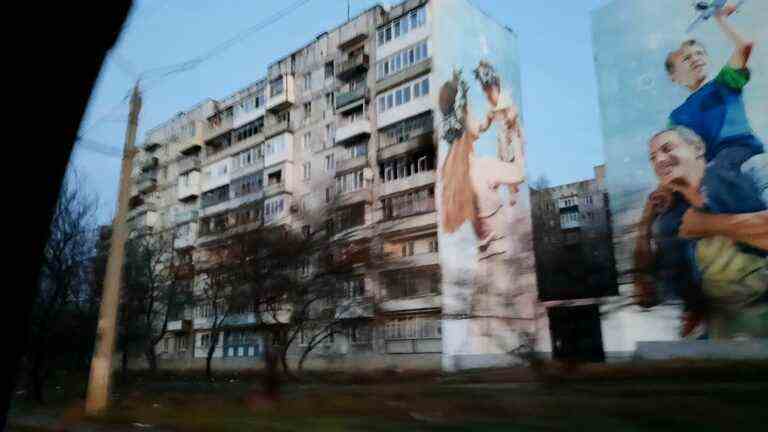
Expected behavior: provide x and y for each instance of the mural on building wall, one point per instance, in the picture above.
(684, 118)
(485, 231)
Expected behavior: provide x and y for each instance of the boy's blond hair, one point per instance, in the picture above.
(669, 64)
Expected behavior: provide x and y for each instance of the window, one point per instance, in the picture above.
(433, 245)
(249, 129)
(273, 208)
(307, 169)
(329, 164)
(354, 288)
(409, 203)
(328, 194)
(276, 87)
(403, 94)
(329, 101)
(413, 328)
(329, 70)
(360, 333)
(350, 182)
(307, 81)
(306, 141)
(401, 26)
(307, 111)
(329, 135)
(306, 230)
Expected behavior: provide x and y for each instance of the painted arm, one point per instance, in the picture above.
(743, 47)
(510, 173)
(748, 228)
(486, 123)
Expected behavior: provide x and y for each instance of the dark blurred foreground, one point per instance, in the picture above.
(673, 395)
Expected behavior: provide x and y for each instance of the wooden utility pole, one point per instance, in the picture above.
(106, 332)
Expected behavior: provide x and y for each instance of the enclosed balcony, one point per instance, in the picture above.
(140, 210)
(218, 124)
(149, 163)
(276, 127)
(188, 186)
(407, 136)
(353, 66)
(189, 163)
(351, 127)
(147, 182)
(345, 99)
(282, 93)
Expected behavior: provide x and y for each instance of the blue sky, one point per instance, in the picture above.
(559, 90)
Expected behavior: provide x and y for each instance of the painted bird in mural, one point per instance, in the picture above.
(708, 9)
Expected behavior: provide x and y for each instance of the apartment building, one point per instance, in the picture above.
(575, 263)
(341, 125)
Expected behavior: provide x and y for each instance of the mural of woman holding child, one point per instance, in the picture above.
(704, 231)
(471, 182)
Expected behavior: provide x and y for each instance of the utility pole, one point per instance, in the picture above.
(106, 332)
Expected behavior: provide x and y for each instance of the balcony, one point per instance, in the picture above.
(352, 41)
(190, 148)
(216, 128)
(189, 189)
(186, 216)
(147, 182)
(413, 261)
(282, 93)
(276, 128)
(363, 195)
(183, 325)
(275, 189)
(417, 180)
(408, 74)
(140, 210)
(186, 240)
(417, 220)
(149, 164)
(353, 66)
(412, 135)
(346, 98)
(351, 164)
(425, 302)
(151, 145)
(358, 127)
(143, 221)
(189, 163)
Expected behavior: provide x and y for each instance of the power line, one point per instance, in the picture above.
(167, 72)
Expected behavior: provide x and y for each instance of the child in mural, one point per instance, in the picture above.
(714, 111)
(470, 195)
(732, 277)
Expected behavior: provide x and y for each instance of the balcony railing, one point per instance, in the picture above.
(149, 164)
(277, 128)
(147, 182)
(347, 97)
(188, 164)
(353, 66)
(408, 208)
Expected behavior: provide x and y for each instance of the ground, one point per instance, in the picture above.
(672, 396)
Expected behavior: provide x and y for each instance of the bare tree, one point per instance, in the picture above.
(152, 294)
(66, 298)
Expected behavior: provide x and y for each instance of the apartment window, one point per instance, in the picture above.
(329, 70)
(409, 203)
(275, 178)
(247, 185)
(276, 87)
(407, 129)
(307, 111)
(347, 218)
(401, 26)
(329, 101)
(249, 129)
(412, 283)
(433, 245)
(406, 166)
(360, 333)
(273, 208)
(403, 94)
(407, 248)
(413, 328)
(307, 81)
(306, 141)
(329, 164)
(307, 170)
(350, 182)
(329, 135)
(354, 288)
(215, 196)
(328, 194)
